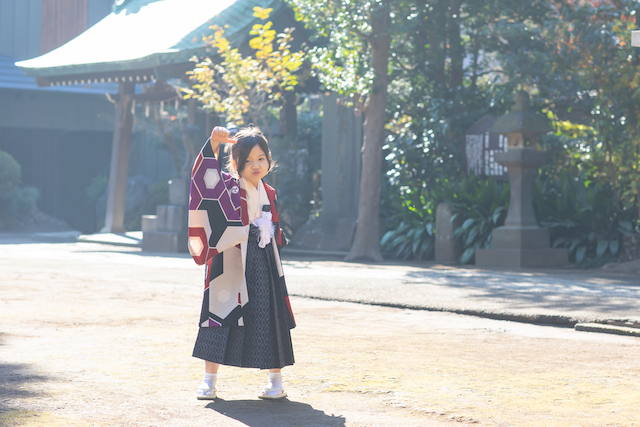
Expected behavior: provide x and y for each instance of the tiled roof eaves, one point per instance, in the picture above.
(12, 78)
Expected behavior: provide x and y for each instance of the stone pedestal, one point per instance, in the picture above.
(521, 242)
(341, 144)
(448, 247)
(167, 230)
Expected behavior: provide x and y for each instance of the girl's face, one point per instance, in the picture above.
(256, 166)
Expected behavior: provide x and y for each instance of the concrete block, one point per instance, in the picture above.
(520, 238)
(149, 223)
(171, 218)
(448, 247)
(160, 241)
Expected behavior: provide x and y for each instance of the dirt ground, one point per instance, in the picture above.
(93, 335)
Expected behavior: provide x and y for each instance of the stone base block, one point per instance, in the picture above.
(171, 218)
(522, 258)
(164, 241)
(524, 238)
(448, 247)
(149, 223)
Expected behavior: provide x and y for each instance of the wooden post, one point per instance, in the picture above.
(114, 221)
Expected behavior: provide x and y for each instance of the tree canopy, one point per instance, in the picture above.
(450, 62)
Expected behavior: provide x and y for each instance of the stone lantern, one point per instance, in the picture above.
(521, 242)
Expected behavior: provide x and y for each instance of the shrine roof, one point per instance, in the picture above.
(12, 77)
(142, 38)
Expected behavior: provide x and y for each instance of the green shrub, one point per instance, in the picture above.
(25, 199)
(159, 195)
(481, 203)
(409, 217)
(96, 188)
(583, 217)
(15, 201)
(10, 173)
(409, 220)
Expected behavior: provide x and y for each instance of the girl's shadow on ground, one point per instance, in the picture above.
(282, 413)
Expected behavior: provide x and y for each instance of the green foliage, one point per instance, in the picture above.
(15, 201)
(297, 176)
(241, 88)
(96, 188)
(481, 205)
(341, 58)
(583, 217)
(10, 172)
(562, 53)
(158, 195)
(410, 225)
(25, 200)
(435, 96)
(589, 91)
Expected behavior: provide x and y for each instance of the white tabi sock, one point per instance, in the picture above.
(275, 380)
(210, 380)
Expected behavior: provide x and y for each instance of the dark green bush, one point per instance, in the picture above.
(15, 201)
(481, 203)
(409, 217)
(25, 199)
(97, 187)
(409, 221)
(583, 217)
(10, 173)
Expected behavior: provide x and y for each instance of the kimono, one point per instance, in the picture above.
(218, 231)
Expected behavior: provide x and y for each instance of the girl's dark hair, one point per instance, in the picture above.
(248, 138)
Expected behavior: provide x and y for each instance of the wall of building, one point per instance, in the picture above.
(61, 165)
(29, 28)
(20, 28)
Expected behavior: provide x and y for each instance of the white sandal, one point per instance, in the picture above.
(206, 393)
(265, 393)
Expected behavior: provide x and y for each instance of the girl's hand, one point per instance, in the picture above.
(220, 135)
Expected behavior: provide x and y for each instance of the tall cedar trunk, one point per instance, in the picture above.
(455, 44)
(366, 244)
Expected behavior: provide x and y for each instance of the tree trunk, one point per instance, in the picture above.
(289, 117)
(436, 31)
(455, 45)
(366, 244)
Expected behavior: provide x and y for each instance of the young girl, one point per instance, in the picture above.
(233, 228)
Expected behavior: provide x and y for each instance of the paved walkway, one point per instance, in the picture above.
(101, 335)
(561, 297)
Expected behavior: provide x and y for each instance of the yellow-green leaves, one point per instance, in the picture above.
(240, 87)
(261, 13)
